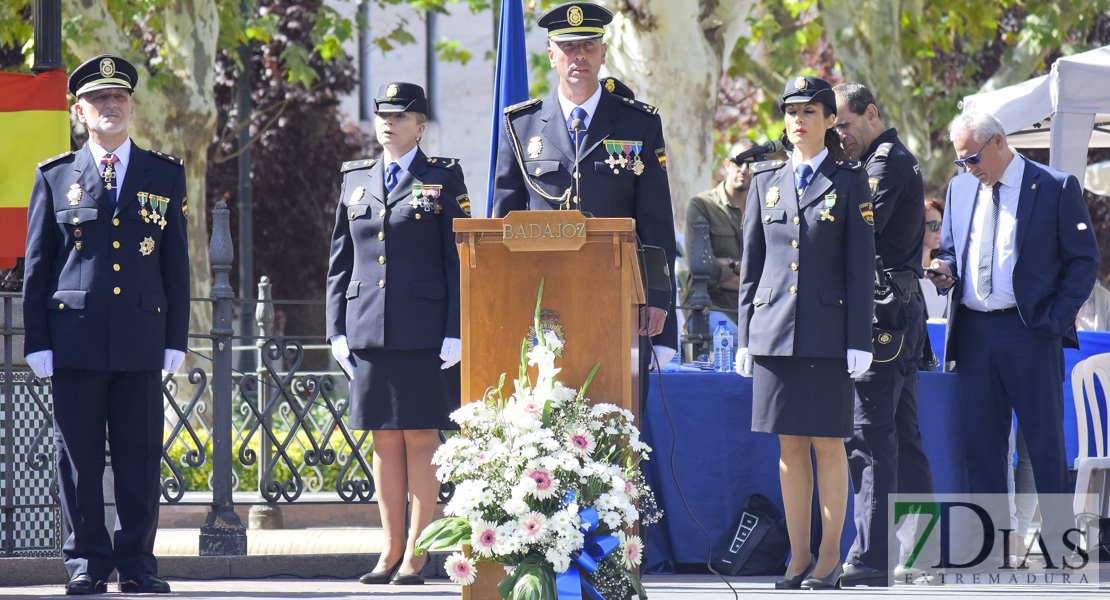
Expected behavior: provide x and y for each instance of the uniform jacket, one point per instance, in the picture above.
(899, 197)
(103, 288)
(1057, 256)
(806, 284)
(393, 277)
(534, 134)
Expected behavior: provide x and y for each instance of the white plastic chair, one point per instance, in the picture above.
(1092, 463)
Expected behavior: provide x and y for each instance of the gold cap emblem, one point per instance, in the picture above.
(574, 16)
(800, 83)
(107, 67)
(884, 338)
(609, 85)
(391, 91)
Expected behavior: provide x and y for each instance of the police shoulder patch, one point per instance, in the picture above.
(866, 210)
(55, 158)
(464, 203)
(354, 165)
(521, 105)
(173, 159)
(767, 165)
(883, 150)
(851, 165)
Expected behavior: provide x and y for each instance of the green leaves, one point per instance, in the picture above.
(531, 580)
(443, 534)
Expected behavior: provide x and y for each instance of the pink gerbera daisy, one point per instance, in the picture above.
(631, 551)
(483, 537)
(461, 569)
(531, 525)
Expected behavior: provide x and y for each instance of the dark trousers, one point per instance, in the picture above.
(127, 406)
(1004, 366)
(885, 452)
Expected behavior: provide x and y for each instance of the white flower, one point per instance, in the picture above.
(560, 561)
(515, 506)
(632, 551)
(461, 569)
(612, 519)
(544, 484)
(532, 527)
(482, 537)
(581, 440)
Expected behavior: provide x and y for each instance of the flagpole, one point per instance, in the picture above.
(510, 79)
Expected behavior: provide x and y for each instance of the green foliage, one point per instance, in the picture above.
(444, 534)
(532, 580)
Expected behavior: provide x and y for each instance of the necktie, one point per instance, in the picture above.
(986, 245)
(578, 113)
(109, 175)
(391, 173)
(802, 175)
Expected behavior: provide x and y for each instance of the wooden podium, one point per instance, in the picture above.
(591, 295)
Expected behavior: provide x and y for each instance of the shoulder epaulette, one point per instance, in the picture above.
(54, 158)
(853, 165)
(177, 161)
(649, 109)
(444, 163)
(767, 165)
(353, 165)
(521, 105)
(883, 150)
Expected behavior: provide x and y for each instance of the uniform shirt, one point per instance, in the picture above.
(898, 194)
(123, 153)
(813, 164)
(726, 240)
(590, 106)
(1002, 269)
(404, 162)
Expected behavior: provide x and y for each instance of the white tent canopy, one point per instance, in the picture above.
(1066, 111)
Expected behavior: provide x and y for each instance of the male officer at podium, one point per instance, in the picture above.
(585, 148)
(106, 307)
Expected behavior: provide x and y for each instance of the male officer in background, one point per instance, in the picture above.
(106, 306)
(885, 453)
(621, 156)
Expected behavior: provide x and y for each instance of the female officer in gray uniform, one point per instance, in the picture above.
(806, 287)
(393, 315)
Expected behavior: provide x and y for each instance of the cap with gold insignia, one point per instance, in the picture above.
(808, 89)
(616, 86)
(400, 97)
(575, 21)
(103, 72)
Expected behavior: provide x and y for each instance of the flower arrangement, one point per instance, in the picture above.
(545, 484)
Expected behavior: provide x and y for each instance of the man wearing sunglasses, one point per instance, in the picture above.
(885, 452)
(1019, 254)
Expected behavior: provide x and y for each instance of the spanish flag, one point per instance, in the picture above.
(34, 119)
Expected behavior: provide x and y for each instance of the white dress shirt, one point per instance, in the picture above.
(123, 153)
(590, 106)
(402, 162)
(813, 164)
(1002, 268)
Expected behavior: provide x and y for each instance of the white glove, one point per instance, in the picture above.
(450, 352)
(663, 355)
(42, 363)
(172, 361)
(858, 362)
(342, 353)
(743, 362)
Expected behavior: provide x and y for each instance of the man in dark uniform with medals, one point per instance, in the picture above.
(106, 306)
(885, 453)
(585, 148)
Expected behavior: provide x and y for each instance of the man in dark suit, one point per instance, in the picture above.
(106, 306)
(885, 452)
(586, 148)
(1019, 253)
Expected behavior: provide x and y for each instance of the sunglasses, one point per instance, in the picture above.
(973, 159)
(933, 226)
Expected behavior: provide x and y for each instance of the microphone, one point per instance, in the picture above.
(577, 126)
(768, 148)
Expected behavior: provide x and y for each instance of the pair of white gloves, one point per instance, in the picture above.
(450, 353)
(42, 362)
(858, 362)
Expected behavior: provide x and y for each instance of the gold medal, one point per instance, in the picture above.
(772, 197)
(535, 147)
(638, 166)
(74, 194)
(146, 246)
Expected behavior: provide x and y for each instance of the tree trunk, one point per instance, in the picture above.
(672, 54)
(178, 118)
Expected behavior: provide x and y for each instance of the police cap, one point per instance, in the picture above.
(808, 89)
(399, 97)
(616, 86)
(103, 72)
(575, 21)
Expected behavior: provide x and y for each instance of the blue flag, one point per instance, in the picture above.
(511, 78)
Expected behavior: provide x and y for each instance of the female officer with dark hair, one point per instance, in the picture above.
(393, 315)
(806, 286)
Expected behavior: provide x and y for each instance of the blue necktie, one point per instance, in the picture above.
(391, 173)
(577, 113)
(802, 175)
(109, 175)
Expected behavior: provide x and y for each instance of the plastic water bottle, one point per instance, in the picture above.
(722, 348)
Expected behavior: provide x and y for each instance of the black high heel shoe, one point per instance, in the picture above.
(382, 576)
(795, 582)
(416, 578)
(828, 582)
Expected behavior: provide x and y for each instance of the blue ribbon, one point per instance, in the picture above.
(570, 584)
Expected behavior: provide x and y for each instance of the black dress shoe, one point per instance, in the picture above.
(381, 576)
(828, 582)
(866, 576)
(83, 585)
(144, 583)
(795, 582)
(416, 578)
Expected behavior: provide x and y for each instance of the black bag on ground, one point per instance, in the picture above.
(757, 543)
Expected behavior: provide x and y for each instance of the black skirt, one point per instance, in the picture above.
(802, 396)
(402, 389)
